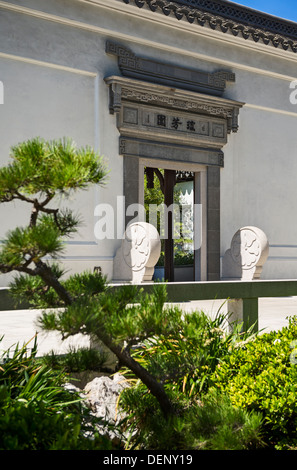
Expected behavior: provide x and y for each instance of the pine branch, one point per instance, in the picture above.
(155, 387)
(24, 198)
(40, 171)
(46, 274)
(5, 268)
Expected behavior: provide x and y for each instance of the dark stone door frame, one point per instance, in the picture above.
(133, 186)
(180, 127)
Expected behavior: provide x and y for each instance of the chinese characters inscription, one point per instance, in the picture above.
(190, 124)
(175, 123)
(161, 120)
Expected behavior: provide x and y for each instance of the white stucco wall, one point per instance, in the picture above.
(52, 65)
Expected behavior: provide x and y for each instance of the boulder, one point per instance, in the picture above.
(102, 395)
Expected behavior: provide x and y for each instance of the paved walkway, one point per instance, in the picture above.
(273, 312)
(19, 326)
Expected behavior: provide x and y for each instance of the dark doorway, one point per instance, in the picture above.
(174, 191)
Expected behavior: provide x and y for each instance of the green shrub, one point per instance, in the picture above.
(187, 357)
(181, 258)
(184, 363)
(260, 375)
(220, 425)
(212, 423)
(33, 425)
(76, 360)
(37, 412)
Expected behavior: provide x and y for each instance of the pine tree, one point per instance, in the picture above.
(171, 352)
(38, 174)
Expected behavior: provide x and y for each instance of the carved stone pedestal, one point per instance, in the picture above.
(247, 255)
(244, 261)
(138, 254)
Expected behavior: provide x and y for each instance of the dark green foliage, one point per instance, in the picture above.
(76, 360)
(39, 172)
(30, 426)
(31, 243)
(179, 351)
(181, 258)
(121, 314)
(39, 166)
(209, 423)
(261, 375)
(34, 291)
(217, 424)
(188, 354)
(184, 362)
(196, 386)
(37, 412)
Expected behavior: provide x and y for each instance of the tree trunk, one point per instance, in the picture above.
(152, 384)
(123, 355)
(48, 277)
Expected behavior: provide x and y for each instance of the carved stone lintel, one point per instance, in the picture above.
(176, 103)
(132, 66)
(171, 152)
(161, 124)
(127, 90)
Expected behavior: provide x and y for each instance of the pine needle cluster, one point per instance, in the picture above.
(39, 173)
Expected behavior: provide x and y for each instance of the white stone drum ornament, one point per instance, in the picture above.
(138, 254)
(247, 255)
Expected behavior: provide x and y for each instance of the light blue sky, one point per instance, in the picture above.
(284, 8)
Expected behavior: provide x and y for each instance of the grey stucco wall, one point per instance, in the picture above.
(52, 65)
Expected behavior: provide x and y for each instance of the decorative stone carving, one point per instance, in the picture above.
(140, 95)
(130, 65)
(165, 125)
(138, 254)
(247, 254)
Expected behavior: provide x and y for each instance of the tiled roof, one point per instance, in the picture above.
(229, 17)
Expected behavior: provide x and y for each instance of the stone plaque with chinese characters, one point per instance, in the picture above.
(167, 125)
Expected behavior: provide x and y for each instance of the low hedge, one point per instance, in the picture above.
(261, 375)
